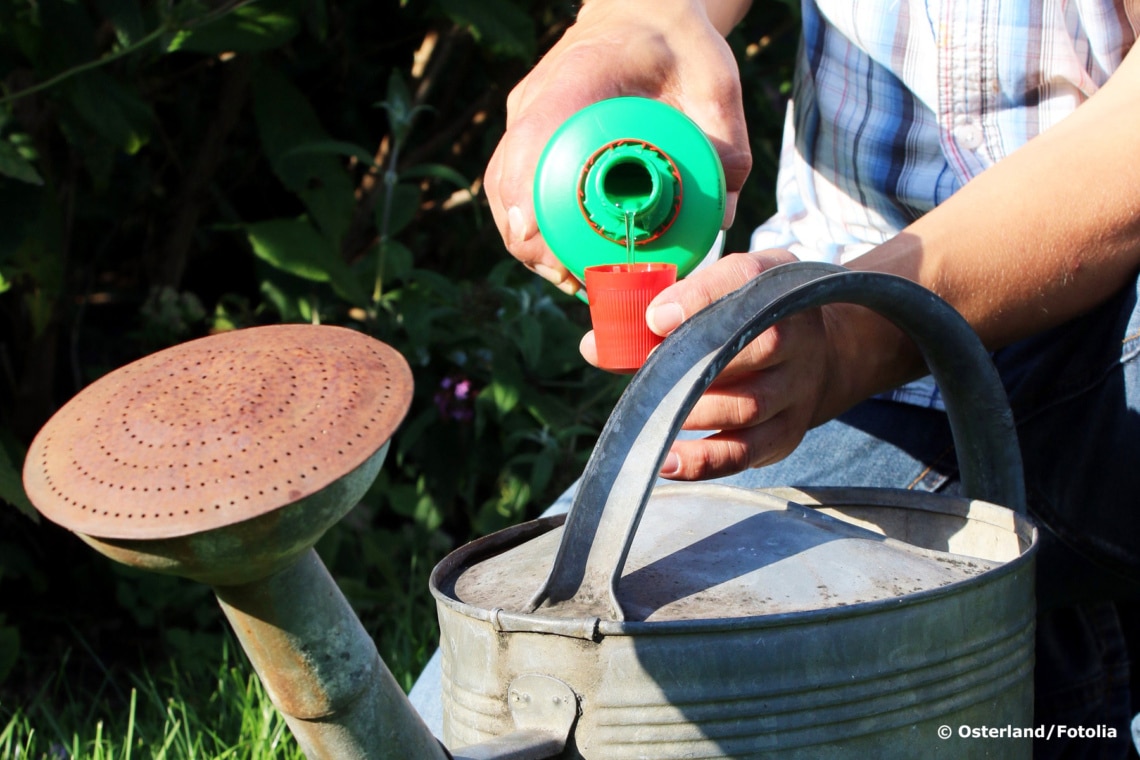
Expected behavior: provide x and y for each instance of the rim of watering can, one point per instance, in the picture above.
(445, 574)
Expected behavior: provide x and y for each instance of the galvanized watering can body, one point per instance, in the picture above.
(707, 621)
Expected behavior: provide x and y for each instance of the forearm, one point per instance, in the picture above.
(1041, 237)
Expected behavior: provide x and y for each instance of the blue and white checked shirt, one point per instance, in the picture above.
(898, 103)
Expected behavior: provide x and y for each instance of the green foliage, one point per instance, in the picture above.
(500, 25)
(170, 168)
(177, 712)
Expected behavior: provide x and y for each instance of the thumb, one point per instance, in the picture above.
(685, 298)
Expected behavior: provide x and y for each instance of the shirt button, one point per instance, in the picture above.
(968, 135)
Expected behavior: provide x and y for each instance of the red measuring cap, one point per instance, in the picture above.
(619, 295)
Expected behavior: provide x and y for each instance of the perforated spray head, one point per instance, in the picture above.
(222, 457)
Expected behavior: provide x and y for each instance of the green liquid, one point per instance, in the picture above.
(629, 245)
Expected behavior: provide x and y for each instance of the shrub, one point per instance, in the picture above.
(170, 168)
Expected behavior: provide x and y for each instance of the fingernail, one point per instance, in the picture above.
(550, 274)
(730, 209)
(562, 279)
(671, 465)
(664, 317)
(516, 226)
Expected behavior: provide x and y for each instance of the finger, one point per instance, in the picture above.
(740, 402)
(731, 452)
(536, 108)
(588, 347)
(685, 298)
(721, 117)
(736, 160)
(513, 212)
(731, 200)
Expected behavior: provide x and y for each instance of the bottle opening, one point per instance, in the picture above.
(629, 192)
(629, 185)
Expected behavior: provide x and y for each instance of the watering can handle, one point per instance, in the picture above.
(617, 481)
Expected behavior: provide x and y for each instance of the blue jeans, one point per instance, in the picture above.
(1075, 392)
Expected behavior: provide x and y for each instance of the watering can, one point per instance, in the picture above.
(687, 621)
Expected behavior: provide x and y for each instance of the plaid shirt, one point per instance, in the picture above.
(899, 103)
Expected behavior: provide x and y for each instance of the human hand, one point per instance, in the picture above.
(768, 396)
(663, 49)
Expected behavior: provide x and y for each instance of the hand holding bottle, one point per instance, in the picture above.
(663, 49)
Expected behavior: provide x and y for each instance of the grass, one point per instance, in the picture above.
(177, 714)
(199, 698)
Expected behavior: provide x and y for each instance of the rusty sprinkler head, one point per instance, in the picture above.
(222, 459)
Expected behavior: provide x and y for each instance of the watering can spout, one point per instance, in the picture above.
(224, 460)
(321, 668)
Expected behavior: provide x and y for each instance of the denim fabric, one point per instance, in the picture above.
(1075, 392)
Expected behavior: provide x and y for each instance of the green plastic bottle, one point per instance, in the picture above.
(636, 157)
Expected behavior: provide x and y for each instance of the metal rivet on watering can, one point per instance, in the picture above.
(224, 460)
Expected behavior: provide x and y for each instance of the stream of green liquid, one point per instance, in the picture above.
(629, 245)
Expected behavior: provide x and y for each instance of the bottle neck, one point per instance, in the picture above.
(629, 188)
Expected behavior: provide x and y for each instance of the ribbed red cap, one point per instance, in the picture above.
(619, 295)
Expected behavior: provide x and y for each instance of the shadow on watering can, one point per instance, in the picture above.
(702, 622)
(708, 621)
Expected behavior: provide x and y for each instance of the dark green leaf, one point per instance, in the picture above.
(67, 36)
(296, 247)
(12, 488)
(250, 28)
(9, 650)
(501, 25)
(403, 499)
(404, 205)
(411, 432)
(293, 246)
(436, 171)
(504, 391)
(287, 124)
(506, 508)
(427, 512)
(329, 147)
(398, 262)
(126, 16)
(317, 19)
(112, 110)
(529, 340)
(448, 174)
(19, 207)
(282, 302)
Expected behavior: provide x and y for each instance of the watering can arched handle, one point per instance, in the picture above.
(617, 481)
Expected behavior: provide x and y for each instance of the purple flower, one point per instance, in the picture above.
(455, 398)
